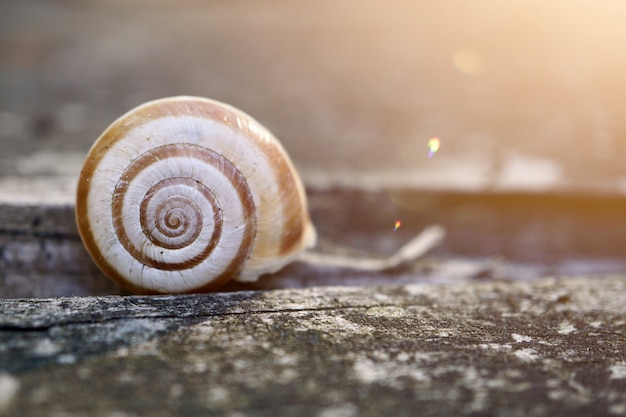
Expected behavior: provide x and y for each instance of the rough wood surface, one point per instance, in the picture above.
(512, 236)
(547, 348)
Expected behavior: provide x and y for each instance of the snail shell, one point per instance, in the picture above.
(182, 194)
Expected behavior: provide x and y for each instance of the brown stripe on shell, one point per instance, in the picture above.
(206, 156)
(175, 106)
(296, 215)
(173, 222)
(196, 222)
(138, 165)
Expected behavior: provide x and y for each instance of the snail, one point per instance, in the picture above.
(182, 194)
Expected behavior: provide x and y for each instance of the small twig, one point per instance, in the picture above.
(414, 249)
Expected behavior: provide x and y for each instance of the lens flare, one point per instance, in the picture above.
(397, 225)
(433, 146)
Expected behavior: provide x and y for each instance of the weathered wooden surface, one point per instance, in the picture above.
(547, 348)
(488, 236)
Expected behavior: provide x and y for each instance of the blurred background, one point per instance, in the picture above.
(521, 94)
(526, 99)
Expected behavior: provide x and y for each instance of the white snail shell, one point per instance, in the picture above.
(182, 194)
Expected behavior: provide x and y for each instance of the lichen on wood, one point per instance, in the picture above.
(551, 347)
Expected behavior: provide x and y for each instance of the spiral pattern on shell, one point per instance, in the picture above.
(182, 194)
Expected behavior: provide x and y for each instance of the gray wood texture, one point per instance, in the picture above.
(547, 348)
